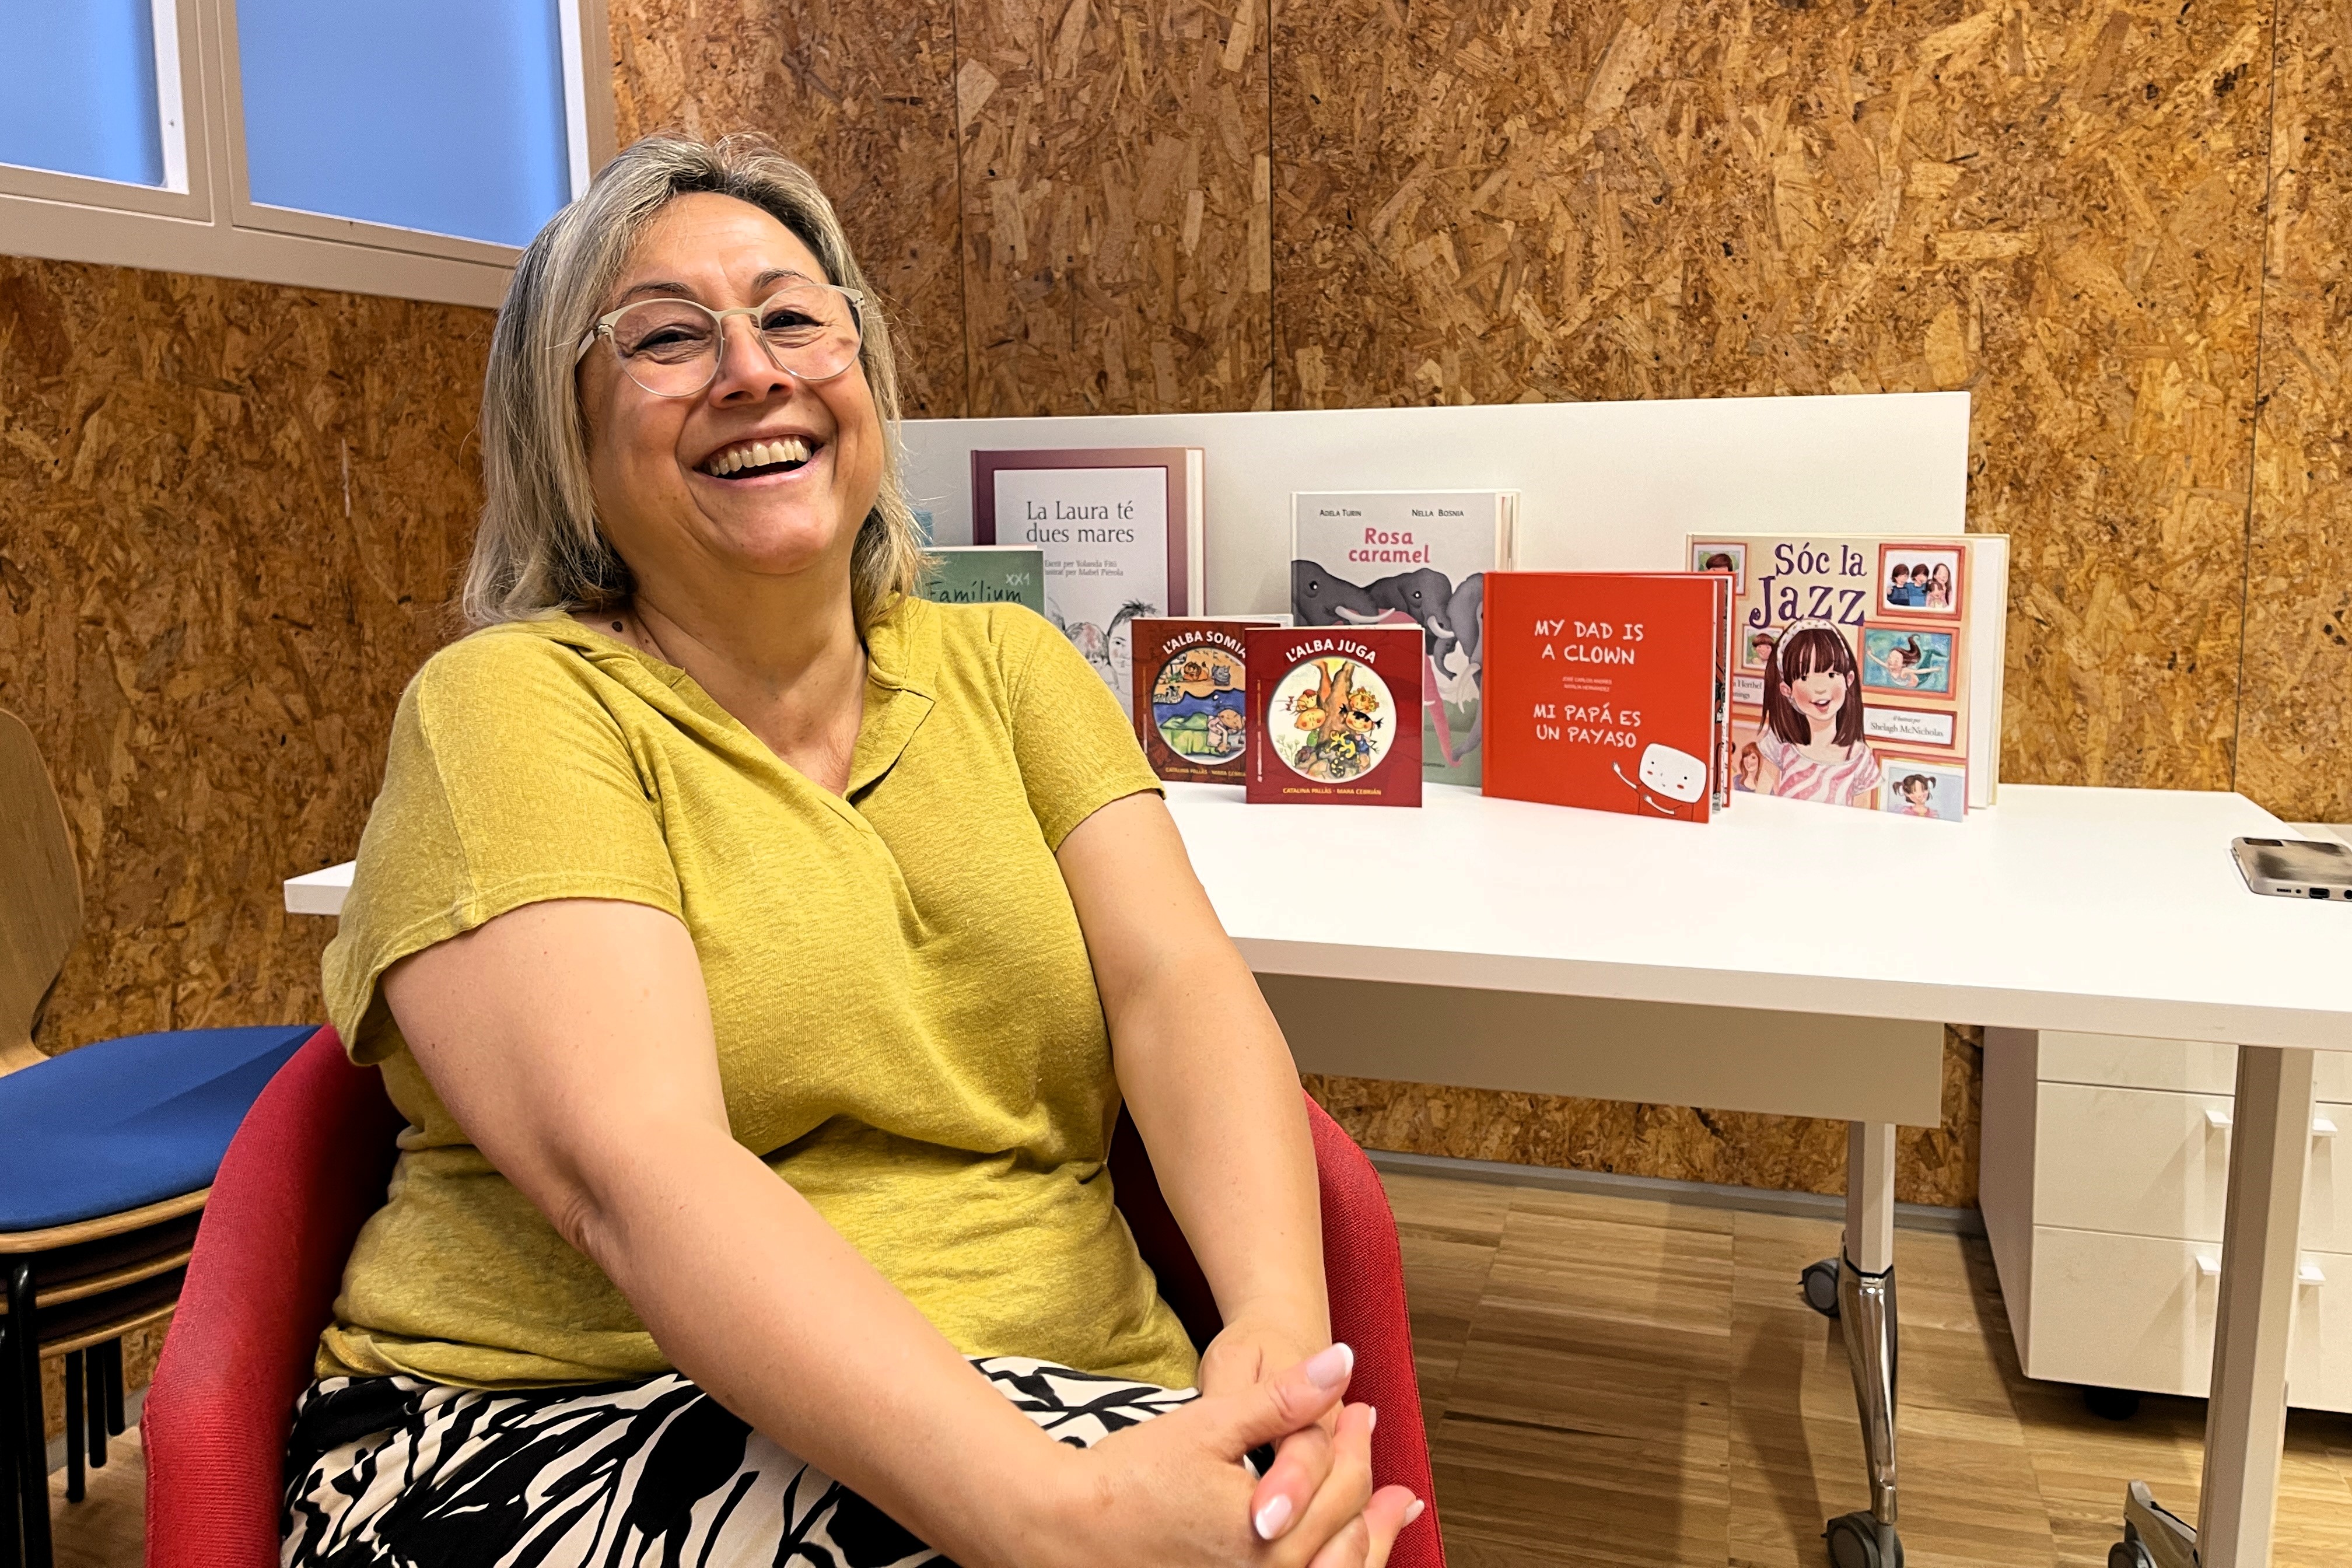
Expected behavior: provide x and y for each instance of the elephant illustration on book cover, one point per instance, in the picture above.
(1448, 615)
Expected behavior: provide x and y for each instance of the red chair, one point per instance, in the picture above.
(309, 1165)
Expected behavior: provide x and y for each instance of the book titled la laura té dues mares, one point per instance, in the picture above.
(1335, 715)
(1606, 689)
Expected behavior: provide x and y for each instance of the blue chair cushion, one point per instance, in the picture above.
(123, 1123)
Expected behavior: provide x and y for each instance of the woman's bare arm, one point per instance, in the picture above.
(572, 1042)
(1209, 1082)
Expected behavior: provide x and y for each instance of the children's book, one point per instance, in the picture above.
(1418, 557)
(1335, 715)
(984, 574)
(1606, 689)
(1868, 667)
(1192, 697)
(1122, 531)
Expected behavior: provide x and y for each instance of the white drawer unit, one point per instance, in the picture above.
(2106, 1166)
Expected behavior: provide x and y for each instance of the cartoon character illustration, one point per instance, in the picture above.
(1193, 706)
(1917, 791)
(1225, 732)
(1448, 615)
(1337, 730)
(1751, 775)
(1760, 650)
(1939, 587)
(1103, 646)
(1900, 591)
(1719, 561)
(1810, 743)
(1674, 782)
(1900, 662)
(1898, 659)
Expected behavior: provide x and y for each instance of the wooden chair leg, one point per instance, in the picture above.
(75, 1487)
(32, 1442)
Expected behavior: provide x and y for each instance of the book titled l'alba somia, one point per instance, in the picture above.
(1121, 533)
(1411, 557)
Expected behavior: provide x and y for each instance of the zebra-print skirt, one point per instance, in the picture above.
(390, 1470)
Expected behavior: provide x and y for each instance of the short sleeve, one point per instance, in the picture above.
(508, 781)
(1073, 743)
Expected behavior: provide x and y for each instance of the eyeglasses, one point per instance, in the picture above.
(672, 347)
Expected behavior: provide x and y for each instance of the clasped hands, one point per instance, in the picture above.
(1173, 1490)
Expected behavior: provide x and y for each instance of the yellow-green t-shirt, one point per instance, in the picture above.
(906, 1022)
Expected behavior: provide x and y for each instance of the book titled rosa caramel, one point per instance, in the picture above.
(1335, 715)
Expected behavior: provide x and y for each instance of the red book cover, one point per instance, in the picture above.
(1191, 698)
(1335, 715)
(1602, 690)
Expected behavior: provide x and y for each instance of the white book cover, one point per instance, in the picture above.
(1121, 530)
(1361, 557)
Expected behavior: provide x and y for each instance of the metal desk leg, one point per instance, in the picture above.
(1865, 1281)
(2245, 1419)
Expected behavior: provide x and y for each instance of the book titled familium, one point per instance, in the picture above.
(984, 574)
(1121, 530)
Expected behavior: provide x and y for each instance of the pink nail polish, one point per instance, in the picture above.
(1415, 1510)
(1273, 1517)
(1330, 1368)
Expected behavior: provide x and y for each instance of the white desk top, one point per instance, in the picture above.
(2109, 911)
(2105, 910)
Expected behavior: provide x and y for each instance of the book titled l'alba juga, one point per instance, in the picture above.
(1333, 715)
(1418, 557)
(1121, 533)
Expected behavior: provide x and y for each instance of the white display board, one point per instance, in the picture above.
(1603, 485)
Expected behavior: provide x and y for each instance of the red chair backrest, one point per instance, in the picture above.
(1364, 1273)
(305, 1170)
(310, 1164)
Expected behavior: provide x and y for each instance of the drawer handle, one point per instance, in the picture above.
(2209, 1268)
(2219, 1120)
(2310, 1274)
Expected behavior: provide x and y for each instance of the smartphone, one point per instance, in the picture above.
(2295, 868)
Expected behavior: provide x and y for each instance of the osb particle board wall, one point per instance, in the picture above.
(230, 514)
(2122, 227)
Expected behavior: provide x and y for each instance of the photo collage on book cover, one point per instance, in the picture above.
(1850, 681)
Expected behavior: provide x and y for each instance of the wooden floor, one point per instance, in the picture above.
(1612, 1381)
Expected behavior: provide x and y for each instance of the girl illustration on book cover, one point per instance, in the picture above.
(1811, 742)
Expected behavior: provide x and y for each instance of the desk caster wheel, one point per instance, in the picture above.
(2129, 1554)
(2112, 1404)
(1854, 1543)
(1820, 1285)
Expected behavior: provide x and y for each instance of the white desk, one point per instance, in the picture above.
(1795, 958)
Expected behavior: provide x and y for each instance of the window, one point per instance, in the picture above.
(83, 97)
(405, 147)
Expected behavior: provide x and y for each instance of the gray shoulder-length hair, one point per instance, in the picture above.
(539, 550)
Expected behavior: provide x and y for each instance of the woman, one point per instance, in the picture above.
(759, 957)
(1811, 735)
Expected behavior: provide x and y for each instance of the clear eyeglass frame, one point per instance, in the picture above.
(606, 327)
